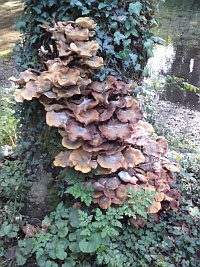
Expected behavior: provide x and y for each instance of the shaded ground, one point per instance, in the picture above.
(10, 10)
(182, 124)
(7, 69)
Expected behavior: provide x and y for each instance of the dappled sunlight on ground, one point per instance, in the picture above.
(9, 13)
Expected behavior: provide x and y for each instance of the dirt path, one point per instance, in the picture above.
(10, 11)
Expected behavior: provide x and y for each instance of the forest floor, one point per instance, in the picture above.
(10, 11)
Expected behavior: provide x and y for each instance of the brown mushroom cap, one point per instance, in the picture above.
(127, 178)
(109, 193)
(95, 200)
(56, 119)
(30, 91)
(163, 143)
(112, 183)
(115, 129)
(104, 202)
(18, 97)
(69, 144)
(133, 157)
(112, 162)
(137, 222)
(172, 167)
(76, 34)
(86, 22)
(122, 191)
(62, 48)
(88, 116)
(174, 205)
(98, 186)
(94, 62)
(103, 181)
(77, 131)
(159, 197)
(156, 206)
(153, 148)
(85, 49)
(24, 77)
(97, 194)
(116, 201)
(99, 87)
(68, 77)
(142, 178)
(63, 160)
(124, 176)
(82, 160)
(50, 94)
(132, 114)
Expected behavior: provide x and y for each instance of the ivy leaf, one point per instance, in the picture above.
(134, 58)
(20, 24)
(114, 25)
(158, 40)
(145, 72)
(137, 67)
(51, 2)
(118, 37)
(135, 8)
(191, 250)
(76, 3)
(126, 42)
(101, 5)
(148, 45)
(124, 54)
(134, 32)
(38, 10)
(194, 212)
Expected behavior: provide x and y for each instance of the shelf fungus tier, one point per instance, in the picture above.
(101, 123)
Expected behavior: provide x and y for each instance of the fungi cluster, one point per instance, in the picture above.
(100, 122)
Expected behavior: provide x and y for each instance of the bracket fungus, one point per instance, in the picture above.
(86, 22)
(100, 122)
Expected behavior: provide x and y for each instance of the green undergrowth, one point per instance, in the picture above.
(73, 237)
(8, 122)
